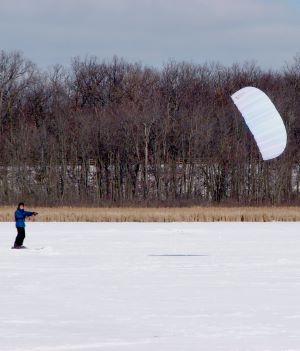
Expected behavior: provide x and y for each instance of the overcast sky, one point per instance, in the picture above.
(153, 31)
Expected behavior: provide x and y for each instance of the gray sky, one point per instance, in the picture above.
(153, 31)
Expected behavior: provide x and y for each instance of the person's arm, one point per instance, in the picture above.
(28, 213)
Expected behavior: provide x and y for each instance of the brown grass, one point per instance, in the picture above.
(186, 214)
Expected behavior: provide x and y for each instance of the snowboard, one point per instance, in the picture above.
(27, 248)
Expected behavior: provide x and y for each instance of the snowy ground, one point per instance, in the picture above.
(142, 287)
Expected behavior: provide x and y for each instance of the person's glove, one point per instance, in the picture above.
(35, 213)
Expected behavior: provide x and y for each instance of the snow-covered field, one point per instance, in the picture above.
(154, 286)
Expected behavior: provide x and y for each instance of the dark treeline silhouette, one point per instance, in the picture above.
(112, 132)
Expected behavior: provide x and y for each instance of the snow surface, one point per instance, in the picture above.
(154, 286)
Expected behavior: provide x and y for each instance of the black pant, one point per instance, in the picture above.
(20, 237)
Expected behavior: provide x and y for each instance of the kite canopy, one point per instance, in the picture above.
(263, 120)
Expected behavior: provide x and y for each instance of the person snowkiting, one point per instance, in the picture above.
(20, 216)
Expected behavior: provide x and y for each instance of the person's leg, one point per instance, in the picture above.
(20, 237)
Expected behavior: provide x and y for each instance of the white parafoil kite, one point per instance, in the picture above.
(263, 120)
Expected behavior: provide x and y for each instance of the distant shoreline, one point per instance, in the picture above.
(167, 214)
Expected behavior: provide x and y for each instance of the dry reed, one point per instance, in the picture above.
(185, 214)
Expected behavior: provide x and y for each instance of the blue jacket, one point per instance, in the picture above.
(20, 216)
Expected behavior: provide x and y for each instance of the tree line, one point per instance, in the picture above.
(119, 133)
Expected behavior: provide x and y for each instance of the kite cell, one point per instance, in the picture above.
(263, 120)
